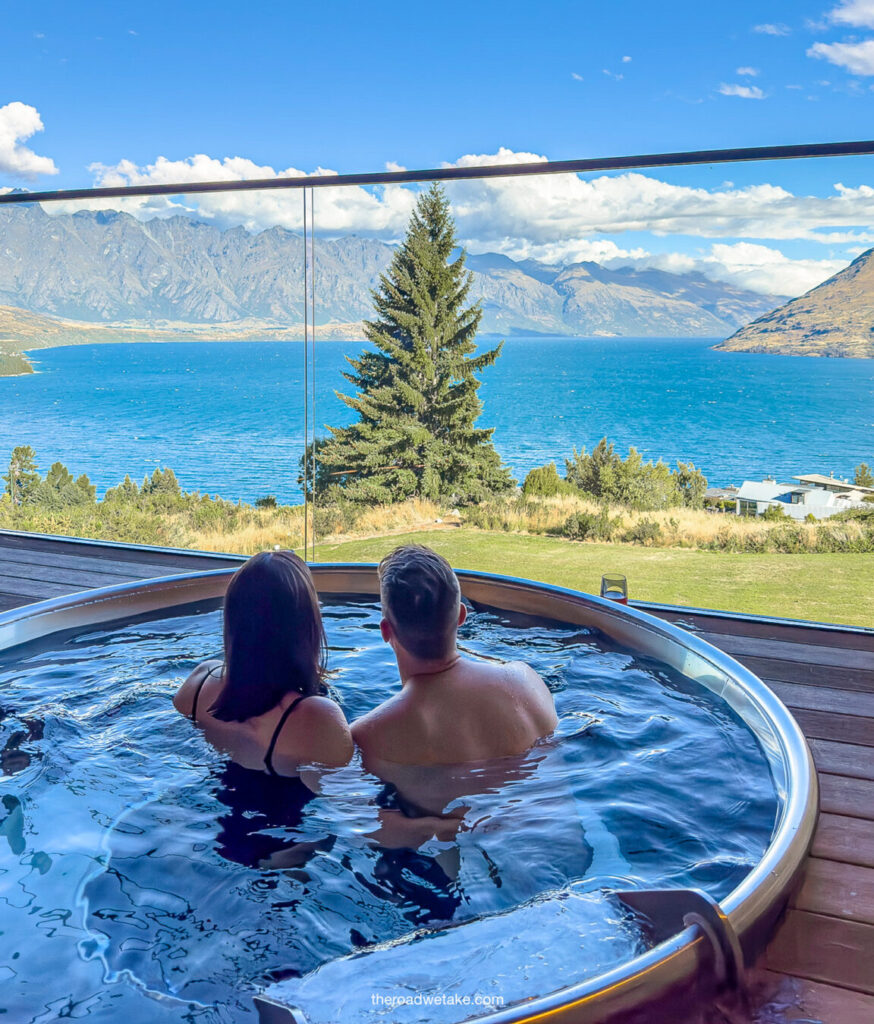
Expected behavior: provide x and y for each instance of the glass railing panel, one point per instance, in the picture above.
(655, 308)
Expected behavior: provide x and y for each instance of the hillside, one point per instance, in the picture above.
(180, 274)
(23, 331)
(834, 319)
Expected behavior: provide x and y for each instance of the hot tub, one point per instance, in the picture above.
(694, 941)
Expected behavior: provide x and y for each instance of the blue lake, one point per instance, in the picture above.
(228, 417)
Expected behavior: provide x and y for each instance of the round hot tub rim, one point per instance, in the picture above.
(751, 908)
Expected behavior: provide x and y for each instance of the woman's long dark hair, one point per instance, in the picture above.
(274, 639)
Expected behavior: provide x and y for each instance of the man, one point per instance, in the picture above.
(450, 710)
(444, 745)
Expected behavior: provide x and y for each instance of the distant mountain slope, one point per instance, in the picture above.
(834, 319)
(179, 274)
(23, 331)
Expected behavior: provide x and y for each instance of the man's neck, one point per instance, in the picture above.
(411, 667)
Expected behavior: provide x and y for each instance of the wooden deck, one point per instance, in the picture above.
(820, 964)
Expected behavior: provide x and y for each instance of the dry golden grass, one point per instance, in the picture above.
(258, 530)
(265, 528)
(382, 519)
(678, 527)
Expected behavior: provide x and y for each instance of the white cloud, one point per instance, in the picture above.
(758, 268)
(383, 212)
(611, 74)
(578, 78)
(859, 13)
(857, 58)
(626, 60)
(746, 92)
(772, 30)
(18, 122)
(555, 218)
(751, 72)
(542, 209)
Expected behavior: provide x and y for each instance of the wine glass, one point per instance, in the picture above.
(614, 587)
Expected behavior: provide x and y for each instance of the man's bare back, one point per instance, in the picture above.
(469, 711)
(451, 710)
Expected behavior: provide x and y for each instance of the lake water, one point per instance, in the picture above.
(228, 417)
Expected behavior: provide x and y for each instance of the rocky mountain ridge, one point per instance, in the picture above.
(834, 319)
(180, 274)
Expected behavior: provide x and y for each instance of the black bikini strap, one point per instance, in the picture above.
(268, 757)
(197, 693)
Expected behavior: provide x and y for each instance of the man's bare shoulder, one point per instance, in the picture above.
(507, 673)
(534, 693)
(388, 731)
(378, 719)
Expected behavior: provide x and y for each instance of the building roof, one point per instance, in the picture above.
(818, 480)
(766, 490)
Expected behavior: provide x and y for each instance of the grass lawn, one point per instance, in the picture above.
(827, 588)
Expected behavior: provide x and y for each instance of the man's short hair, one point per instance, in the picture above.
(420, 598)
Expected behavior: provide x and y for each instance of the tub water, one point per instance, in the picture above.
(143, 880)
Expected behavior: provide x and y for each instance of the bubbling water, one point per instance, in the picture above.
(143, 878)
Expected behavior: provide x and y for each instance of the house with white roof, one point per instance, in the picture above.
(798, 501)
(832, 483)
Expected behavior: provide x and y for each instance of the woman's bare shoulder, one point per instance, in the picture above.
(322, 735)
(183, 700)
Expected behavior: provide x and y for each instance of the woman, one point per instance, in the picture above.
(264, 704)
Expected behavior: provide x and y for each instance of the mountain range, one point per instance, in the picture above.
(834, 319)
(178, 276)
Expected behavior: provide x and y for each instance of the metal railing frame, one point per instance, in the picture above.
(611, 163)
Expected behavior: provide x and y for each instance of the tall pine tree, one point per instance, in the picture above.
(417, 393)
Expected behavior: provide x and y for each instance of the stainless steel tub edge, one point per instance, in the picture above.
(751, 908)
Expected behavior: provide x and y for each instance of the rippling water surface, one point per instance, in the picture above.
(129, 889)
(228, 417)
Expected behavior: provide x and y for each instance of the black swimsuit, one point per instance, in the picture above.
(268, 757)
(258, 806)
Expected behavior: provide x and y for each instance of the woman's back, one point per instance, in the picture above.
(300, 730)
(263, 704)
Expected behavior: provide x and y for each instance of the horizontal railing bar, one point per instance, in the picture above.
(612, 163)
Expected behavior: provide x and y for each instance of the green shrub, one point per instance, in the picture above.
(328, 519)
(645, 486)
(268, 501)
(774, 513)
(591, 525)
(545, 482)
(644, 531)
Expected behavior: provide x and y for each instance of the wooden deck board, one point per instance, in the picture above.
(11, 561)
(825, 698)
(820, 963)
(824, 948)
(699, 621)
(844, 839)
(815, 653)
(853, 798)
(837, 890)
(826, 725)
(780, 997)
(72, 576)
(809, 673)
(843, 758)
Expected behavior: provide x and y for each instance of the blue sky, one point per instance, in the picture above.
(352, 86)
